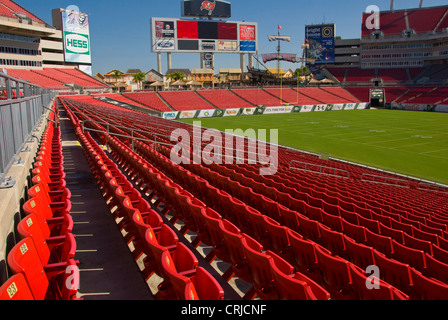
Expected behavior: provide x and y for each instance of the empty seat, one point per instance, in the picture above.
(394, 272)
(335, 273)
(304, 254)
(278, 239)
(260, 270)
(357, 233)
(415, 258)
(332, 240)
(436, 269)
(16, 288)
(380, 290)
(428, 288)
(196, 284)
(45, 282)
(381, 243)
(309, 228)
(358, 253)
(50, 250)
(233, 241)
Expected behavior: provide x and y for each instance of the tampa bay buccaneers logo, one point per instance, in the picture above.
(209, 6)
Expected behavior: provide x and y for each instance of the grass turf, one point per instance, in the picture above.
(410, 143)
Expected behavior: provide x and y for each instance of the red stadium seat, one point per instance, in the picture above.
(16, 288)
(427, 288)
(381, 243)
(304, 254)
(332, 240)
(358, 253)
(233, 242)
(50, 250)
(335, 273)
(415, 258)
(197, 284)
(43, 280)
(394, 272)
(384, 292)
(436, 269)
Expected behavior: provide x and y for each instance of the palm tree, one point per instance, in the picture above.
(138, 78)
(176, 76)
(116, 75)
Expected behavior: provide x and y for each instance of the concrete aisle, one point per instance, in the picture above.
(107, 268)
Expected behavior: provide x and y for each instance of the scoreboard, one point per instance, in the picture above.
(177, 35)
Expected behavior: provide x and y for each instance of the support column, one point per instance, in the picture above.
(168, 58)
(242, 62)
(202, 60)
(159, 62)
(251, 60)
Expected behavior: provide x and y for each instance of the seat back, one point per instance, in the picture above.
(206, 286)
(335, 273)
(303, 252)
(182, 286)
(393, 272)
(29, 227)
(260, 267)
(428, 289)
(289, 288)
(358, 253)
(16, 288)
(277, 235)
(24, 258)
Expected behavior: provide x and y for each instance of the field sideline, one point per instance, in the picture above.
(410, 143)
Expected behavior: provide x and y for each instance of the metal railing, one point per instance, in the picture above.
(315, 168)
(21, 109)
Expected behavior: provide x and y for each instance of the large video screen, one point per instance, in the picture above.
(168, 35)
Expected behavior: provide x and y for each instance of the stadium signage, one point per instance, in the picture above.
(77, 43)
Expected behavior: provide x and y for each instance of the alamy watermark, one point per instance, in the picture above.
(235, 146)
(373, 21)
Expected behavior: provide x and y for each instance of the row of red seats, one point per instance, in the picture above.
(228, 208)
(164, 255)
(197, 217)
(183, 216)
(43, 261)
(4, 95)
(353, 235)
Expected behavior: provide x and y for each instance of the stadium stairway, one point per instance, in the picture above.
(107, 270)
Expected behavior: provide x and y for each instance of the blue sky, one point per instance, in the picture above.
(120, 30)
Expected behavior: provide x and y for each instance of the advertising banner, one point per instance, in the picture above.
(307, 108)
(76, 37)
(248, 111)
(337, 107)
(231, 112)
(170, 115)
(247, 46)
(441, 108)
(227, 45)
(320, 39)
(164, 29)
(361, 106)
(273, 110)
(350, 106)
(247, 32)
(321, 107)
(206, 113)
(187, 114)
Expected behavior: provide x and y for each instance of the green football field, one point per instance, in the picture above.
(410, 143)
